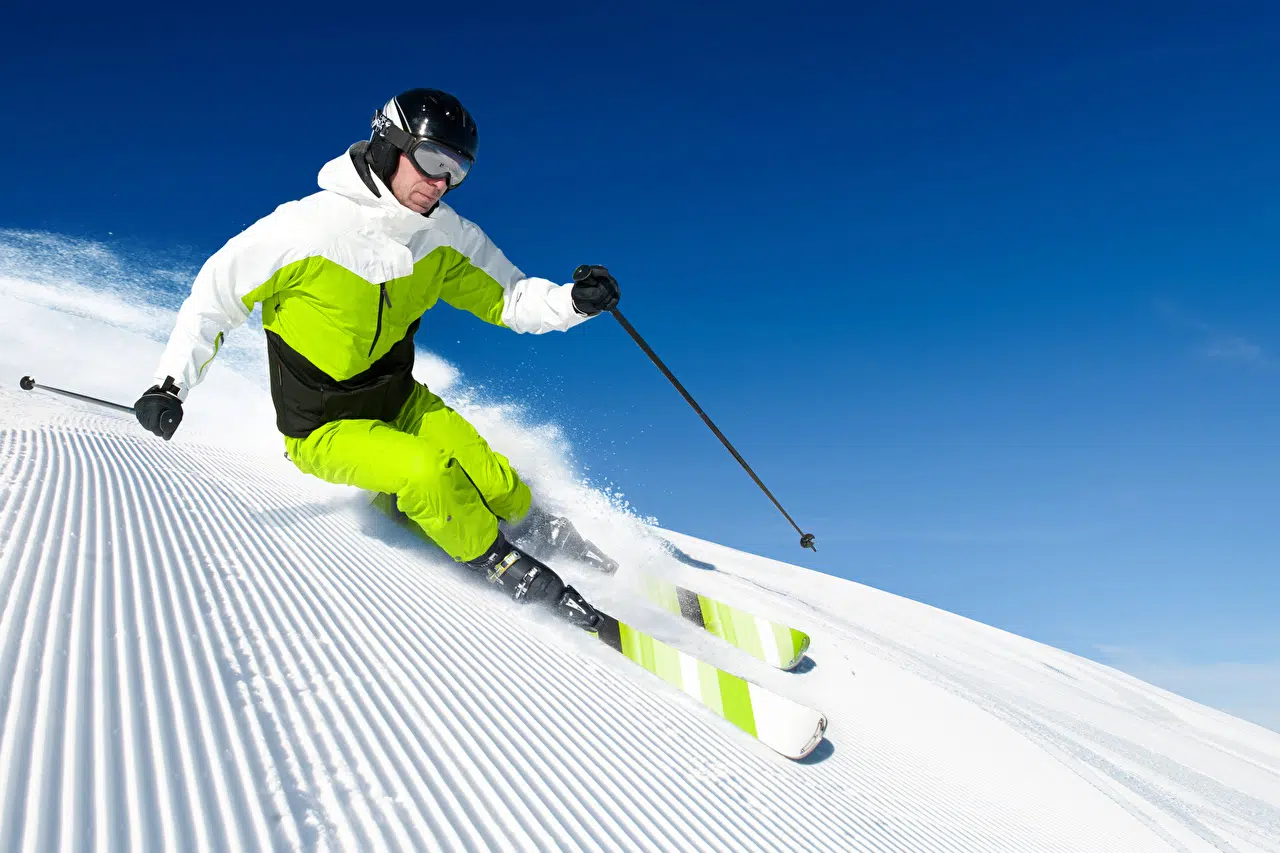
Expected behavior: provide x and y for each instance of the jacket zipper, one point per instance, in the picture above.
(383, 296)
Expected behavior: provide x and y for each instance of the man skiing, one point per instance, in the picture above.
(344, 276)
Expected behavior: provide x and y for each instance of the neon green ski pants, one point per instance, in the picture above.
(445, 477)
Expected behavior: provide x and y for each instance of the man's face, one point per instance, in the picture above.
(415, 191)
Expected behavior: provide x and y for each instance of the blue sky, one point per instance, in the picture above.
(986, 295)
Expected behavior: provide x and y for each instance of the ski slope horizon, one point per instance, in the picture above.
(201, 648)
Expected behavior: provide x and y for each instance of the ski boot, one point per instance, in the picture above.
(528, 580)
(555, 535)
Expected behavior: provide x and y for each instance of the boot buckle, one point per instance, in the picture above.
(505, 563)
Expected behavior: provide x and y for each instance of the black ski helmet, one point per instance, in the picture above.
(430, 114)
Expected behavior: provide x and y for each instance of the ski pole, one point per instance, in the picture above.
(806, 539)
(29, 384)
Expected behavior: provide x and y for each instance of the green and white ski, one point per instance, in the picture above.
(786, 726)
(772, 642)
(783, 725)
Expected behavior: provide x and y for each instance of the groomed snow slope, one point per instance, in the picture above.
(202, 649)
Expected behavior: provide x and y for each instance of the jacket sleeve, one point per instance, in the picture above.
(480, 279)
(238, 276)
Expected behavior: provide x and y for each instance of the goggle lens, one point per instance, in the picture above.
(436, 161)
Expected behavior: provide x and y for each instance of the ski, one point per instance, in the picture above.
(783, 725)
(772, 642)
(552, 537)
(555, 537)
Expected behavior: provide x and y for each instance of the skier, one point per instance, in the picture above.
(344, 276)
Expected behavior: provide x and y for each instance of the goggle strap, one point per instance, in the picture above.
(397, 137)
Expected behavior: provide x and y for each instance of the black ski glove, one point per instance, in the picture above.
(159, 409)
(594, 290)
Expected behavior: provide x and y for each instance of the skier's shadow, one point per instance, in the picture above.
(680, 556)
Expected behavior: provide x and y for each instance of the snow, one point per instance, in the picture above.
(203, 649)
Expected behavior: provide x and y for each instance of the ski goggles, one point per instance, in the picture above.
(436, 161)
(430, 158)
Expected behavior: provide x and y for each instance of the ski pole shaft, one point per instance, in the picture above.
(806, 539)
(29, 384)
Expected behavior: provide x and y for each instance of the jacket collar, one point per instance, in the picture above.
(362, 187)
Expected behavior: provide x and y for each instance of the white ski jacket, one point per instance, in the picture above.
(343, 277)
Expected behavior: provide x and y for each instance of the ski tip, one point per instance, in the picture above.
(801, 647)
(800, 750)
(784, 725)
(819, 732)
